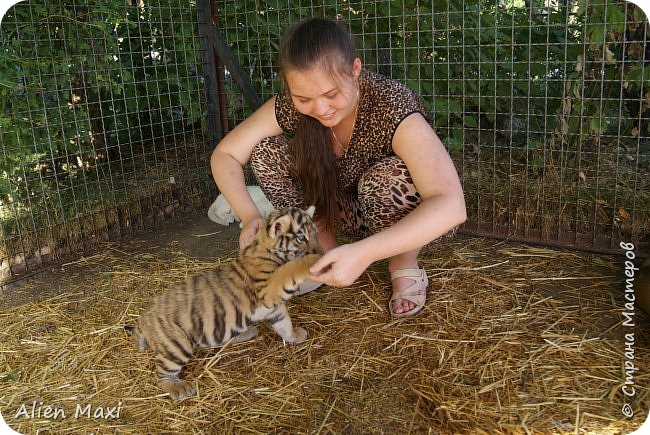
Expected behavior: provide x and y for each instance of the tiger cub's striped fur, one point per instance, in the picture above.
(210, 309)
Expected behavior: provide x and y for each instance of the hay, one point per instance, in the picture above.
(514, 339)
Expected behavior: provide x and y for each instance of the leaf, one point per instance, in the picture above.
(470, 121)
(615, 17)
(13, 375)
(623, 213)
(455, 107)
(580, 64)
(610, 58)
(596, 33)
(598, 124)
(454, 144)
(583, 177)
(565, 126)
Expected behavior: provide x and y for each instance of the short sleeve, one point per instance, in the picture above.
(286, 113)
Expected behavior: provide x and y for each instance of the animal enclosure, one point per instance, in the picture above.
(110, 113)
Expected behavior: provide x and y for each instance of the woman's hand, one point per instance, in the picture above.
(248, 232)
(341, 266)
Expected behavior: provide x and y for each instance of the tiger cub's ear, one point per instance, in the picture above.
(279, 226)
(310, 210)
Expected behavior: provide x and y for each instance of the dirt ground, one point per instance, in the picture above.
(196, 237)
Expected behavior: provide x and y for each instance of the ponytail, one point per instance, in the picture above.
(315, 167)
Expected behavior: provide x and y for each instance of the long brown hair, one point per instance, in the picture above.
(316, 42)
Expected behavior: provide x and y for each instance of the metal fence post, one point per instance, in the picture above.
(204, 17)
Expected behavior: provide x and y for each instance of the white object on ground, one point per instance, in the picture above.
(221, 212)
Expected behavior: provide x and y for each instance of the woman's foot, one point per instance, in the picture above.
(402, 300)
(409, 291)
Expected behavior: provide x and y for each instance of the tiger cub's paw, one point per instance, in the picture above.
(299, 335)
(177, 388)
(302, 266)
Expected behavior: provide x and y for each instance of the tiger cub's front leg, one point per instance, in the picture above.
(280, 321)
(282, 285)
(285, 281)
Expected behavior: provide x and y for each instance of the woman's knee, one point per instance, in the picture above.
(272, 166)
(271, 155)
(387, 193)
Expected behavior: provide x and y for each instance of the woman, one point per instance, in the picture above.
(358, 146)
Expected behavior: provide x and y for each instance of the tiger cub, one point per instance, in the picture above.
(222, 305)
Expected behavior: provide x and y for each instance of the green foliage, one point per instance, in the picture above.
(85, 87)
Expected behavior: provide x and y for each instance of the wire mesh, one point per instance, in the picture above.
(101, 124)
(544, 106)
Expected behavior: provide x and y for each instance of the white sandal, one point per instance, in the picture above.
(421, 283)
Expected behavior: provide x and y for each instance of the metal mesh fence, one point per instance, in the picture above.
(100, 124)
(543, 105)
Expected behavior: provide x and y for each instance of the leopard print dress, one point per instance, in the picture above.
(375, 189)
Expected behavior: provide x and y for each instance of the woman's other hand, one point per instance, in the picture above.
(248, 232)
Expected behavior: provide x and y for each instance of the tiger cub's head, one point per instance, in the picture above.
(290, 233)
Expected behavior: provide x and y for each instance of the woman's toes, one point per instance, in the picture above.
(402, 305)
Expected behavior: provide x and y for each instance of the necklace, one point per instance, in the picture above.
(337, 142)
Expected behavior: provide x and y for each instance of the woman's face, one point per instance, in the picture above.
(317, 93)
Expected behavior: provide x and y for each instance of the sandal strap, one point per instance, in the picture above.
(420, 282)
(409, 273)
(419, 276)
